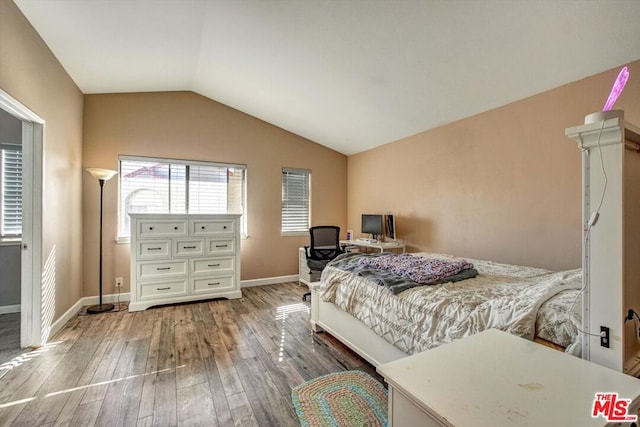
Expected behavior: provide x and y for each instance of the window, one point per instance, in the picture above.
(179, 186)
(10, 191)
(296, 191)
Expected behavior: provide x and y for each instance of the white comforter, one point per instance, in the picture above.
(502, 296)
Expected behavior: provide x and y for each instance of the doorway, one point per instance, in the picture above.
(32, 131)
(10, 231)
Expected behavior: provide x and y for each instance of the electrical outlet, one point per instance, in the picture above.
(119, 282)
(604, 336)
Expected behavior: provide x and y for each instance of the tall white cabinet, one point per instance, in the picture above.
(180, 258)
(611, 249)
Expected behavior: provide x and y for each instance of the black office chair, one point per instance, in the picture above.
(325, 246)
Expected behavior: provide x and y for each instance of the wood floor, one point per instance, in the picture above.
(9, 338)
(214, 363)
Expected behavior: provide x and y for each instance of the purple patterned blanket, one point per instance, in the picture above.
(401, 272)
(421, 270)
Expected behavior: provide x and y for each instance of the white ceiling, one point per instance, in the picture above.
(348, 74)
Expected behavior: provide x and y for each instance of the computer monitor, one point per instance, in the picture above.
(372, 224)
(390, 226)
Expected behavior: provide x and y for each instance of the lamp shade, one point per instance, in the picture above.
(103, 174)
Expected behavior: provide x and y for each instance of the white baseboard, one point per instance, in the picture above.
(62, 320)
(268, 281)
(7, 309)
(124, 296)
(77, 307)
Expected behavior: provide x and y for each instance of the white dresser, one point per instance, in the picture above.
(179, 258)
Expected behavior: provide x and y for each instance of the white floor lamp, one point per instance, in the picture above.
(101, 175)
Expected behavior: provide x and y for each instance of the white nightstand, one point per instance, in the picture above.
(497, 379)
(306, 276)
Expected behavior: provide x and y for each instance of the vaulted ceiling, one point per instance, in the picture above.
(348, 74)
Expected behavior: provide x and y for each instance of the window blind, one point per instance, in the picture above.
(11, 191)
(179, 186)
(295, 200)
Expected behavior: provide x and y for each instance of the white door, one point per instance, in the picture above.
(31, 258)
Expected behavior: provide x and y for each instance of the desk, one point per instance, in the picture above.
(380, 246)
(497, 379)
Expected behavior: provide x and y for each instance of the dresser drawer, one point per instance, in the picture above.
(156, 269)
(207, 285)
(161, 228)
(221, 246)
(147, 249)
(164, 289)
(188, 247)
(212, 265)
(212, 227)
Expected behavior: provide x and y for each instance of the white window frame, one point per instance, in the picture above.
(288, 227)
(9, 236)
(125, 238)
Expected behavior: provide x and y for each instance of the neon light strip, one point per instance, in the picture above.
(616, 90)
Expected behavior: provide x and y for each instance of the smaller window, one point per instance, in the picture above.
(296, 201)
(10, 191)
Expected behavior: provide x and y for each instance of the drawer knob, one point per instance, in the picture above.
(202, 227)
(224, 227)
(213, 265)
(163, 268)
(175, 228)
(213, 284)
(150, 228)
(164, 289)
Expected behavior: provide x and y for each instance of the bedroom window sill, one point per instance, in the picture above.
(122, 240)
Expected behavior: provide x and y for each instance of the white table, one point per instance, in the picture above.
(497, 379)
(379, 246)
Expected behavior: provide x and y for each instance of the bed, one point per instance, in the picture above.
(382, 326)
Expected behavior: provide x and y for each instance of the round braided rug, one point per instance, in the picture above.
(350, 398)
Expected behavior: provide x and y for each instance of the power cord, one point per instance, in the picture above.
(631, 313)
(118, 298)
(593, 219)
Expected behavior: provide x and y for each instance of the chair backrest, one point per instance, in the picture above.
(325, 242)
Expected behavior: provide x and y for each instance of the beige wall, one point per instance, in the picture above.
(31, 74)
(185, 125)
(503, 185)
